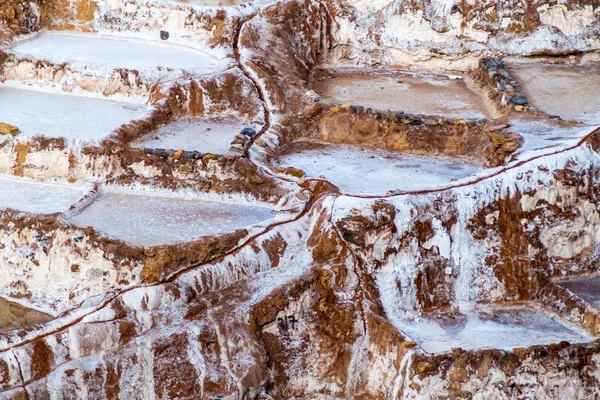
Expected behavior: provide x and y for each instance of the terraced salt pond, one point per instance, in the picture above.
(37, 197)
(194, 134)
(411, 93)
(587, 289)
(13, 316)
(543, 134)
(497, 327)
(570, 91)
(64, 116)
(146, 220)
(112, 52)
(358, 170)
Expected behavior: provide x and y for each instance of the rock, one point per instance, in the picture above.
(295, 172)
(498, 127)
(432, 122)
(519, 100)
(239, 141)
(192, 155)
(248, 132)
(237, 145)
(178, 154)
(455, 9)
(519, 108)
(149, 252)
(160, 153)
(7, 129)
(509, 147)
(412, 121)
(424, 367)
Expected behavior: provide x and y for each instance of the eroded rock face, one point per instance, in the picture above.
(20, 17)
(310, 306)
(412, 31)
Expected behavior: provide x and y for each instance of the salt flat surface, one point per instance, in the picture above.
(88, 50)
(67, 116)
(358, 170)
(570, 91)
(191, 133)
(587, 289)
(37, 197)
(540, 134)
(148, 221)
(410, 93)
(13, 316)
(490, 327)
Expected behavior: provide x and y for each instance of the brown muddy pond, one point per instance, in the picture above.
(411, 93)
(570, 91)
(14, 316)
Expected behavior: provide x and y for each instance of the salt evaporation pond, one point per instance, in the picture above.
(89, 50)
(410, 93)
(543, 134)
(587, 289)
(14, 316)
(190, 133)
(570, 91)
(358, 170)
(147, 220)
(494, 327)
(64, 116)
(37, 197)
